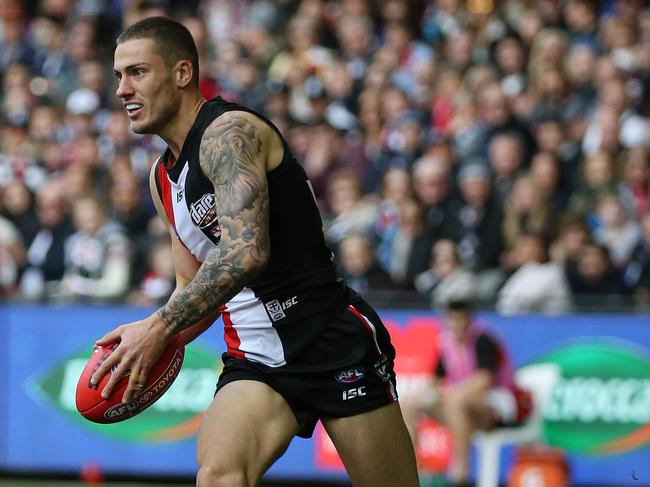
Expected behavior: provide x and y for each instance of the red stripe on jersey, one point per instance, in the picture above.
(230, 335)
(368, 326)
(166, 189)
(390, 394)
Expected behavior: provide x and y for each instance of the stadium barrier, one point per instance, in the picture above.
(598, 411)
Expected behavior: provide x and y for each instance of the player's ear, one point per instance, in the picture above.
(184, 73)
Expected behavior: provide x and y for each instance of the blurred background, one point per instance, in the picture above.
(495, 151)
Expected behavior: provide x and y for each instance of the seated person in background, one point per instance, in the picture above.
(595, 284)
(473, 388)
(159, 281)
(97, 255)
(637, 274)
(447, 280)
(536, 285)
(359, 267)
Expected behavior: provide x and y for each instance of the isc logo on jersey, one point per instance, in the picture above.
(204, 211)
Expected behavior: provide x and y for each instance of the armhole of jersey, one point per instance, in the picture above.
(285, 146)
(156, 178)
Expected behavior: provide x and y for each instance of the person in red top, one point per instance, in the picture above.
(472, 389)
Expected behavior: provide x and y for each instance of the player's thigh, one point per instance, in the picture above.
(375, 447)
(247, 426)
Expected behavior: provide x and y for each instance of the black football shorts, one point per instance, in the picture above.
(346, 370)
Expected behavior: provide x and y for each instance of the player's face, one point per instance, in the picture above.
(458, 322)
(146, 86)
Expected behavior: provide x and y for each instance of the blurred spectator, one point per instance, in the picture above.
(406, 248)
(45, 252)
(547, 178)
(359, 267)
(558, 89)
(526, 211)
(572, 235)
(12, 257)
(16, 203)
(597, 180)
(446, 280)
(616, 230)
(594, 283)
(637, 274)
(126, 201)
(350, 211)
(474, 219)
(536, 285)
(634, 188)
(159, 281)
(506, 157)
(97, 255)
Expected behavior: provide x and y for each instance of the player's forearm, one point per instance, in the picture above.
(218, 279)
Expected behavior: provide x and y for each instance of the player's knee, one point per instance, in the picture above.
(222, 475)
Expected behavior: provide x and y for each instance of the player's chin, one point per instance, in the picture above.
(140, 127)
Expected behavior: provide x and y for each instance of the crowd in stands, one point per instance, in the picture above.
(483, 150)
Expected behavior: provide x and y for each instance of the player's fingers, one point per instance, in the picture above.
(137, 380)
(117, 374)
(110, 337)
(111, 361)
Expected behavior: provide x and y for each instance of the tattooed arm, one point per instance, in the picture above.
(235, 152)
(233, 156)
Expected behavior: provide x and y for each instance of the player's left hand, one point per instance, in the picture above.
(140, 344)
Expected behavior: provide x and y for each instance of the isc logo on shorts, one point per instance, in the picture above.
(352, 393)
(350, 375)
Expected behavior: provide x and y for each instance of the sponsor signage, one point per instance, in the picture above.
(601, 405)
(174, 416)
(599, 411)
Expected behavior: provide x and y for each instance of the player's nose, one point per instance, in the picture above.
(124, 88)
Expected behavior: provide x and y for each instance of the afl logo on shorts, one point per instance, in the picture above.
(350, 375)
(204, 211)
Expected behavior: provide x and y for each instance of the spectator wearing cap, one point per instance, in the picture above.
(536, 285)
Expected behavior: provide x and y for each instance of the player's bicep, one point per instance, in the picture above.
(233, 156)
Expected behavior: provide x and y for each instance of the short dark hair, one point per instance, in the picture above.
(459, 305)
(172, 40)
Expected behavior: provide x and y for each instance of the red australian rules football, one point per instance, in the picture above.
(94, 407)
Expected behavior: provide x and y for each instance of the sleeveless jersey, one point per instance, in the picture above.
(298, 292)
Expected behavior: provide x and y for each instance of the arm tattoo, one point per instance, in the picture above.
(230, 155)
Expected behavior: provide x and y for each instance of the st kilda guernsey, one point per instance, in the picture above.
(298, 292)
